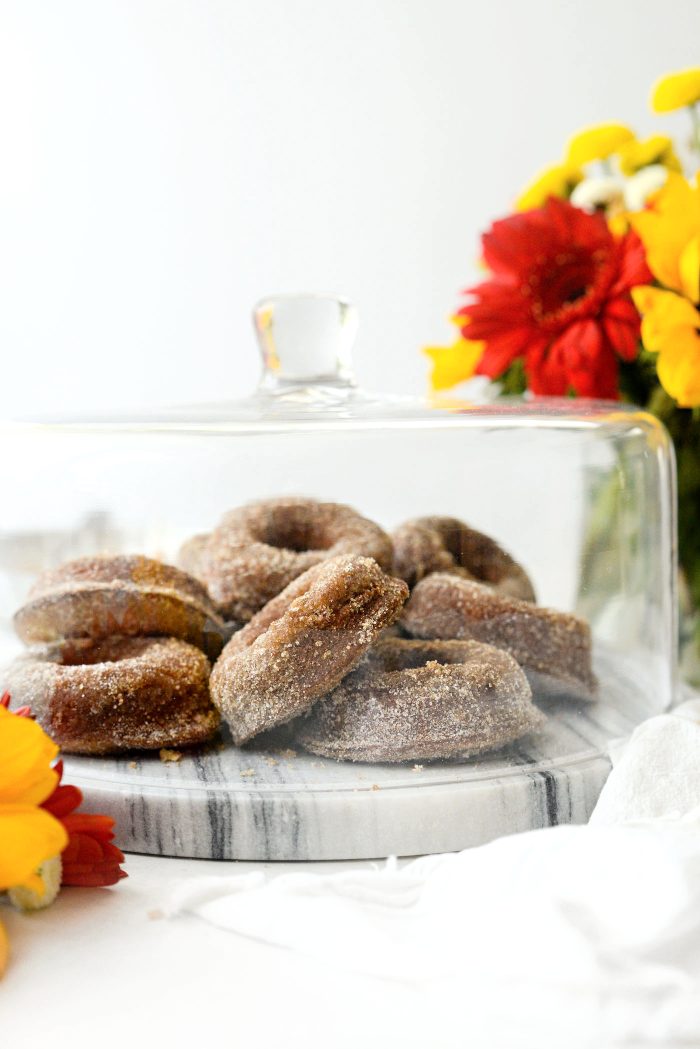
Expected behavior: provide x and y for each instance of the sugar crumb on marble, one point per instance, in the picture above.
(165, 754)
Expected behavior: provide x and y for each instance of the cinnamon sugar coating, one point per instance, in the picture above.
(555, 644)
(445, 544)
(418, 700)
(302, 643)
(102, 697)
(129, 596)
(258, 549)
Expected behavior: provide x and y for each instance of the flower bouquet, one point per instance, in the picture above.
(593, 290)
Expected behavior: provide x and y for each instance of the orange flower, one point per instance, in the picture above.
(90, 858)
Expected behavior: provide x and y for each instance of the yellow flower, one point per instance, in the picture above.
(657, 149)
(676, 90)
(671, 328)
(28, 834)
(596, 143)
(559, 180)
(453, 364)
(670, 231)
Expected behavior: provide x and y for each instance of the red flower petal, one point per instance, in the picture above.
(620, 322)
(508, 246)
(632, 264)
(589, 361)
(546, 373)
(90, 859)
(87, 823)
(63, 801)
(20, 712)
(501, 350)
(96, 879)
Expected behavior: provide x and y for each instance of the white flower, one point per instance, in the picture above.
(605, 191)
(639, 187)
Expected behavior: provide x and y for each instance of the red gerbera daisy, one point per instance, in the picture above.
(559, 298)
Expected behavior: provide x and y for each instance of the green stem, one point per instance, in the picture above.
(695, 121)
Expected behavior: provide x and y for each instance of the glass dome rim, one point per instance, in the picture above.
(358, 411)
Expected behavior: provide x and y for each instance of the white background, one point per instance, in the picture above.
(164, 163)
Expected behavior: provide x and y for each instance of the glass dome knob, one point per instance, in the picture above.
(306, 344)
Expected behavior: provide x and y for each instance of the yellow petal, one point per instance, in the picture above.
(618, 224)
(678, 367)
(657, 149)
(4, 949)
(28, 836)
(670, 327)
(26, 753)
(596, 143)
(663, 314)
(689, 269)
(556, 181)
(666, 227)
(453, 364)
(676, 90)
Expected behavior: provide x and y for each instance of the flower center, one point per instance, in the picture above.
(563, 286)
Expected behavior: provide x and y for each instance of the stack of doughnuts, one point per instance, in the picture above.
(420, 645)
(118, 657)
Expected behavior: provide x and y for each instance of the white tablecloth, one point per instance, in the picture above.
(97, 970)
(107, 968)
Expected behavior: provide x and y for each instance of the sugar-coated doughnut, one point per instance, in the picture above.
(554, 648)
(445, 544)
(302, 643)
(102, 697)
(126, 596)
(417, 700)
(258, 549)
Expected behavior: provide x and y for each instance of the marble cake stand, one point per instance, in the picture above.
(277, 803)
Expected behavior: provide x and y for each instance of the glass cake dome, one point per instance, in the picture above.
(579, 495)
